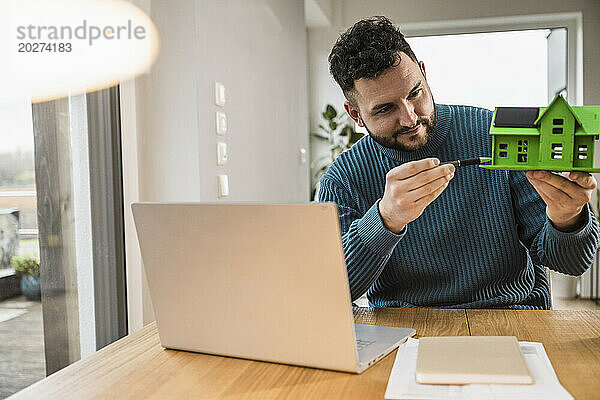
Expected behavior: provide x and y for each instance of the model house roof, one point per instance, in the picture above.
(588, 117)
(525, 121)
(557, 99)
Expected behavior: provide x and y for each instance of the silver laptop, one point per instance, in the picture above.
(262, 282)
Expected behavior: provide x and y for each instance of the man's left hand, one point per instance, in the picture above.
(565, 196)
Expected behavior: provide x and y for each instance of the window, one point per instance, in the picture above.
(523, 146)
(522, 151)
(582, 152)
(557, 131)
(503, 146)
(493, 75)
(82, 304)
(503, 154)
(557, 121)
(23, 360)
(557, 149)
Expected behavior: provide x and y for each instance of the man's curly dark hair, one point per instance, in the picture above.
(365, 50)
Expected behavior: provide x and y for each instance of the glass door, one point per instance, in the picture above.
(62, 277)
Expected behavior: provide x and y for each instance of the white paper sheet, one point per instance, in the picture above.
(402, 383)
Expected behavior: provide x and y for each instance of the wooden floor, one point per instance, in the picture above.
(575, 304)
(22, 359)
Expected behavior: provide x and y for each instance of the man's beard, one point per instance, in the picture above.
(391, 141)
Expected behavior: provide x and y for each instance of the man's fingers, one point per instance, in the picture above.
(431, 187)
(551, 192)
(405, 188)
(412, 168)
(426, 200)
(540, 191)
(426, 177)
(583, 179)
(559, 182)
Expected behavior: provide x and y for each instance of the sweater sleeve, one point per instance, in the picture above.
(567, 252)
(367, 243)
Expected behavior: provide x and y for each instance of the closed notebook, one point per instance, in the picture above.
(462, 360)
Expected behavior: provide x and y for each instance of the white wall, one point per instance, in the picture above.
(257, 49)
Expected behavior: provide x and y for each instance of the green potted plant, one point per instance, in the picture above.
(28, 268)
(339, 132)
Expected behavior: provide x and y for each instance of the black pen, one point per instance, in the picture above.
(468, 161)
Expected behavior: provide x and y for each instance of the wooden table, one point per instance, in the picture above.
(571, 339)
(137, 367)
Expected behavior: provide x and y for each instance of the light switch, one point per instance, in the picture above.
(221, 119)
(223, 185)
(219, 94)
(221, 153)
(302, 155)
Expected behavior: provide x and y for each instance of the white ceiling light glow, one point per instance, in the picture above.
(52, 49)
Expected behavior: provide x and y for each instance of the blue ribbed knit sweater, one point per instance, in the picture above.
(483, 243)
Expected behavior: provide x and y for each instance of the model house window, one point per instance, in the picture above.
(557, 149)
(503, 149)
(557, 130)
(582, 152)
(522, 146)
(522, 151)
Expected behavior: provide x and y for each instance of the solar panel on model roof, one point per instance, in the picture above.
(516, 117)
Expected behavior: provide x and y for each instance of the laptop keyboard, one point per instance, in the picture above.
(361, 344)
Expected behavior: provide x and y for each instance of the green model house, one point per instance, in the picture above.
(555, 138)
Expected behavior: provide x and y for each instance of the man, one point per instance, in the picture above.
(420, 234)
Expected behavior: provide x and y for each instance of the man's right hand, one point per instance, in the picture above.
(411, 187)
